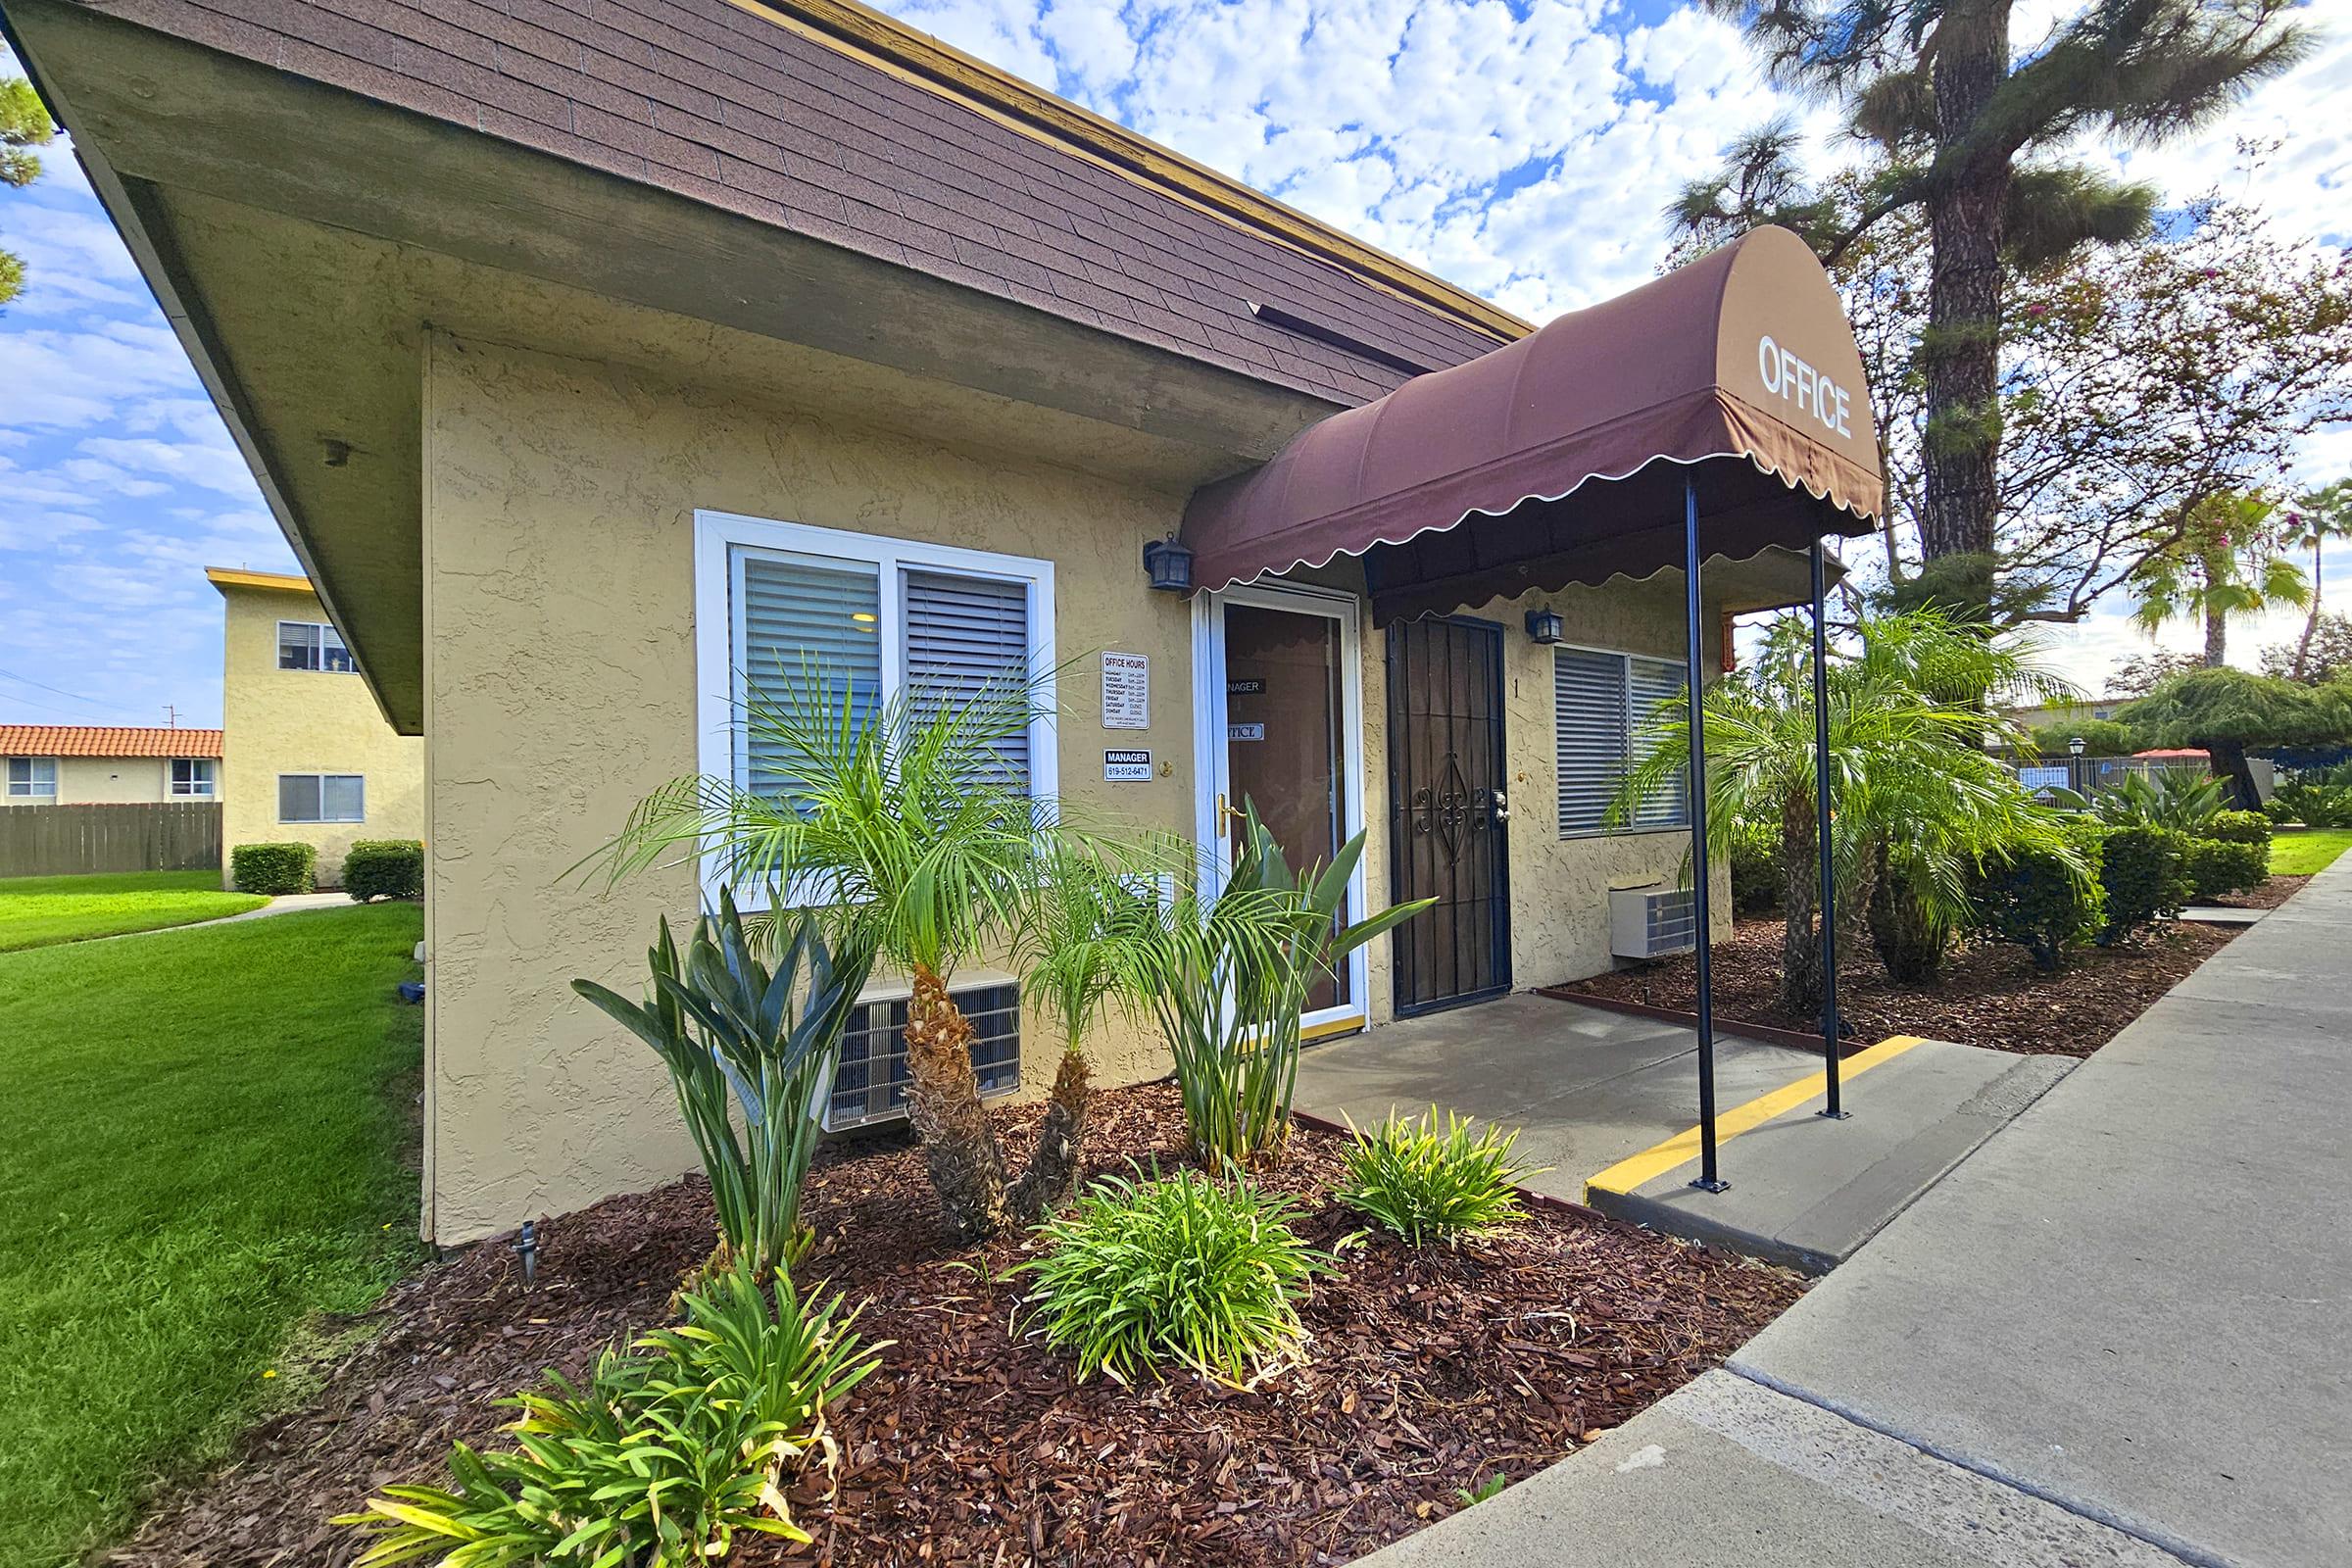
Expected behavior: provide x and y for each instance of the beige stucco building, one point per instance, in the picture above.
(306, 755)
(92, 765)
(580, 401)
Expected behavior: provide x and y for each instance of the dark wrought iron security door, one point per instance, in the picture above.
(1448, 811)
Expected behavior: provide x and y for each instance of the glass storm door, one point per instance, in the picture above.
(1283, 734)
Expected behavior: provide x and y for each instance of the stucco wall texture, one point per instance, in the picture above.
(559, 520)
(277, 721)
(111, 780)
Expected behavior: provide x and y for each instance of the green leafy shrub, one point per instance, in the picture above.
(273, 869)
(1180, 1270)
(658, 1461)
(1911, 934)
(2312, 804)
(2237, 827)
(1431, 1186)
(1755, 856)
(2141, 873)
(724, 1023)
(2039, 897)
(2173, 798)
(2216, 867)
(385, 869)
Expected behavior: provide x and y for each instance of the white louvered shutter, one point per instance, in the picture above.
(966, 636)
(803, 623)
(1589, 719)
(1649, 682)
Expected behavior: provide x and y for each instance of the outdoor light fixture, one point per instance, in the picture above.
(1170, 565)
(1546, 626)
(526, 1248)
(2078, 746)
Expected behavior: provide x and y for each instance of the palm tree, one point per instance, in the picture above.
(899, 825)
(1911, 783)
(2227, 561)
(2319, 515)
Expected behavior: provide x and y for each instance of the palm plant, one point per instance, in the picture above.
(1912, 786)
(899, 826)
(723, 1021)
(2228, 562)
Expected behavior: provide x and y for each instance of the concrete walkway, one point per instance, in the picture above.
(2120, 1332)
(283, 903)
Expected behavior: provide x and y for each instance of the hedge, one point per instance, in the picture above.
(2141, 873)
(2218, 866)
(385, 869)
(2237, 827)
(273, 869)
(2034, 899)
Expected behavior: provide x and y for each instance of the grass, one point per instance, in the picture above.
(2305, 852)
(39, 911)
(210, 1135)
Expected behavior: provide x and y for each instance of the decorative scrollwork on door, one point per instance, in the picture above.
(1453, 807)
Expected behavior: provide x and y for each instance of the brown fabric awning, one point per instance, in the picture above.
(1565, 453)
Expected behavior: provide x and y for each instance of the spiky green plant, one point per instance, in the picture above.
(1428, 1185)
(727, 1025)
(1180, 1270)
(2175, 799)
(659, 1460)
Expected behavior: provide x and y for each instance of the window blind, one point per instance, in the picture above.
(1588, 720)
(1648, 683)
(803, 623)
(967, 637)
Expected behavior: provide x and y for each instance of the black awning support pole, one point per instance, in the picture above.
(1821, 831)
(1695, 654)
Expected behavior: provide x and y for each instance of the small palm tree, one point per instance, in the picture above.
(900, 824)
(1912, 787)
(2228, 562)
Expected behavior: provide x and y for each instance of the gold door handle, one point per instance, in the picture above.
(1226, 814)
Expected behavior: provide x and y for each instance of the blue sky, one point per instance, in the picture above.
(1522, 147)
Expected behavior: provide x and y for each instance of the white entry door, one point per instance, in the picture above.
(1279, 706)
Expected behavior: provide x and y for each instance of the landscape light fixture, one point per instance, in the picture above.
(1169, 566)
(1546, 626)
(2078, 746)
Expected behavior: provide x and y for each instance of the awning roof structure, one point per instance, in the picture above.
(1568, 450)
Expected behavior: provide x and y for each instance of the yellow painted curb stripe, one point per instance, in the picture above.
(1683, 1147)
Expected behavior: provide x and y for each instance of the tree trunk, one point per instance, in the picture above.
(2217, 639)
(943, 1100)
(1802, 977)
(2229, 762)
(1053, 1169)
(1961, 351)
(2311, 620)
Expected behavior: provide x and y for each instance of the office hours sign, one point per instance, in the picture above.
(1126, 691)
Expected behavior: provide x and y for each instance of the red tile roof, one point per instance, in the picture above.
(834, 121)
(100, 740)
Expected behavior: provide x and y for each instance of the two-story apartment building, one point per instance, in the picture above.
(311, 754)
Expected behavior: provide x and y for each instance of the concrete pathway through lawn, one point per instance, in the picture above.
(283, 903)
(2120, 1332)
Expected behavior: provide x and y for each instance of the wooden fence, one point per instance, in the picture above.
(149, 836)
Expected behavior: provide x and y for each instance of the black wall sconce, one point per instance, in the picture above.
(1169, 564)
(1546, 626)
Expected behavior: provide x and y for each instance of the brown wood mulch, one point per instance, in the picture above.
(1429, 1372)
(2271, 894)
(1989, 995)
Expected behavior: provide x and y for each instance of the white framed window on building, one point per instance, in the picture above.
(321, 798)
(192, 775)
(312, 645)
(33, 778)
(778, 604)
(1604, 704)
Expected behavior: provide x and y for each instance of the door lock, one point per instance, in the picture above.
(1500, 805)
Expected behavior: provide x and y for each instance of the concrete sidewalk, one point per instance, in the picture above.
(2120, 1332)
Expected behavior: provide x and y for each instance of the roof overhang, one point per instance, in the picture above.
(1566, 457)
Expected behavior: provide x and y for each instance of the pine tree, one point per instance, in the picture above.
(25, 124)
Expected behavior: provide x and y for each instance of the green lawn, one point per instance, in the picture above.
(209, 1137)
(2301, 852)
(37, 911)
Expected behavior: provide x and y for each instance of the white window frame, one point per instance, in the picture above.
(204, 777)
(31, 790)
(323, 819)
(324, 629)
(1626, 658)
(719, 674)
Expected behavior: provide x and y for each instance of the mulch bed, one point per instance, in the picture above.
(2271, 894)
(1429, 1372)
(1990, 996)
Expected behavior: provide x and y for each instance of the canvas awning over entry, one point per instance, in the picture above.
(1562, 458)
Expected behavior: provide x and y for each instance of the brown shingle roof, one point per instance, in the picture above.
(99, 740)
(821, 117)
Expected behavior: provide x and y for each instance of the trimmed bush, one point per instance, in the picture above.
(1182, 1270)
(2142, 871)
(2035, 900)
(1755, 870)
(273, 869)
(2237, 827)
(1911, 941)
(1429, 1185)
(385, 869)
(2216, 866)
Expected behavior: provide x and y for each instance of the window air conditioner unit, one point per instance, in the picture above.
(869, 1085)
(1652, 921)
